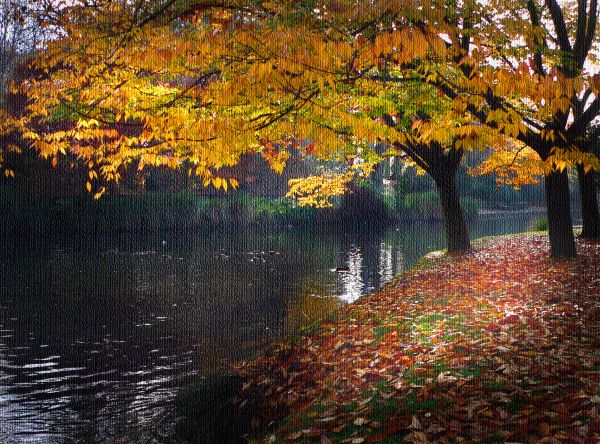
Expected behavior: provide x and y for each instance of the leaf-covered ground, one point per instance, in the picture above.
(500, 345)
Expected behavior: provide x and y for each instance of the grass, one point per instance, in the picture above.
(442, 350)
(540, 224)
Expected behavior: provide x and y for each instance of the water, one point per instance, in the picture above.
(97, 333)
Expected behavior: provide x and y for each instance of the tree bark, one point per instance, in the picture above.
(560, 224)
(442, 165)
(589, 204)
(456, 226)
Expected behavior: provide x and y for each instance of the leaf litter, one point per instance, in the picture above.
(501, 344)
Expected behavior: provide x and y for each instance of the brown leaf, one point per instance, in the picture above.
(325, 439)
(415, 424)
(417, 438)
(293, 436)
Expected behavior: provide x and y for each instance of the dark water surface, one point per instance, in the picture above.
(97, 333)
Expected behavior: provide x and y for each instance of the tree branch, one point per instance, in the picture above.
(591, 26)
(412, 151)
(580, 124)
(535, 21)
(559, 25)
(580, 33)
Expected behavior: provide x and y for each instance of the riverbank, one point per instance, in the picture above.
(22, 211)
(153, 312)
(498, 345)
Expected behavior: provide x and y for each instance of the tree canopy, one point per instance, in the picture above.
(196, 85)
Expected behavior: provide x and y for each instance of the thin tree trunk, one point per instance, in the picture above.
(560, 224)
(589, 204)
(378, 173)
(456, 226)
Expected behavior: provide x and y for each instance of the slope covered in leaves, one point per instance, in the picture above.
(499, 345)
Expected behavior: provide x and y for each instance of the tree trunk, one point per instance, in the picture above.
(589, 204)
(378, 173)
(560, 224)
(456, 227)
(442, 165)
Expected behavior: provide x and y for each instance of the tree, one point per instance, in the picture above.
(519, 73)
(439, 154)
(228, 79)
(224, 91)
(442, 165)
(588, 188)
(426, 133)
(511, 65)
(19, 36)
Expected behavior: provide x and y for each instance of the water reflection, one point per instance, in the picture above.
(351, 278)
(97, 333)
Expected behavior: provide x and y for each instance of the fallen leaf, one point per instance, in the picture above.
(415, 424)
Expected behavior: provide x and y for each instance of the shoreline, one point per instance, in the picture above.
(170, 211)
(438, 354)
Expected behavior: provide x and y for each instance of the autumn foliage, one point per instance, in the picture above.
(198, 85)
(499, 345)
(209, 88)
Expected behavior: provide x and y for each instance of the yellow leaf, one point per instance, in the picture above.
(88, 186)
(99, 193)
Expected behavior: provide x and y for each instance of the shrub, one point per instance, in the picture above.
(394, 203)
(362, 203)
(540, 224)
(424, 205)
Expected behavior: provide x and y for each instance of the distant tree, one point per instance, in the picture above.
(20, 35)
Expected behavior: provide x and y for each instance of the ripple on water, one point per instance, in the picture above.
(97, 334)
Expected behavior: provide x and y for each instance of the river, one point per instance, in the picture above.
(97, 333)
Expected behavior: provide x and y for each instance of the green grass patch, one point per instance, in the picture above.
(415, 376)
(495, 385)
(381, 408)
(414, 404)
(381, 330)
(540, 224)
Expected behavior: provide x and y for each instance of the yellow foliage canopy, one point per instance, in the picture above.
(220, 82)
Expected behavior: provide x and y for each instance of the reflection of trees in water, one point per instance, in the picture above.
(372, 259)
(370, 268)
(387, 267)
